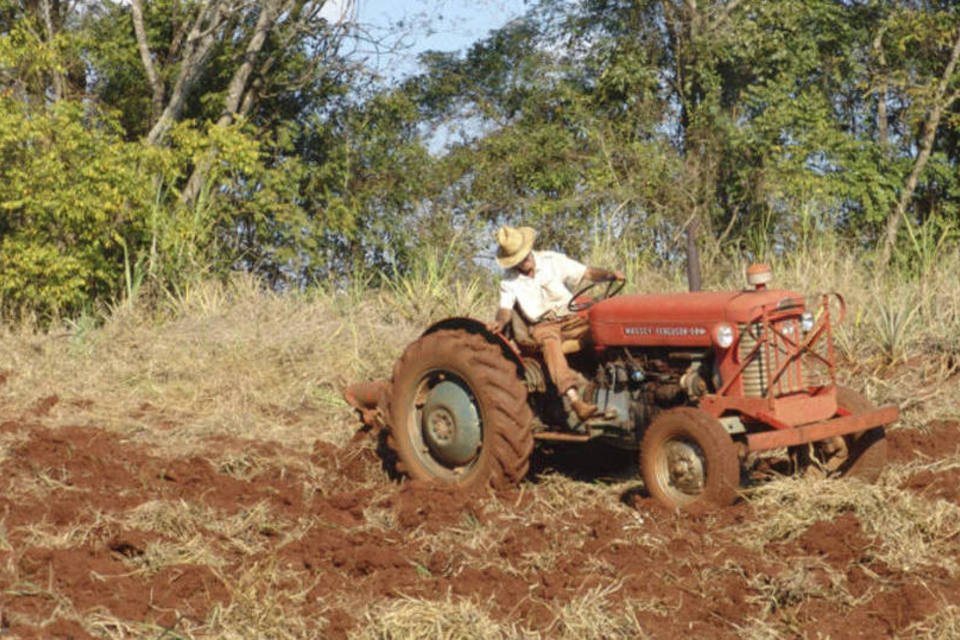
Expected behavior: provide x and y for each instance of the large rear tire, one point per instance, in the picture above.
(689, 461)
(459, 412)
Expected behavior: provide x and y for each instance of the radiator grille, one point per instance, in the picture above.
(769, 358)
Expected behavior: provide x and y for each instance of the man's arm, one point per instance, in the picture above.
(596, 274)
(500, 321)
(508, 298)
(574, 271)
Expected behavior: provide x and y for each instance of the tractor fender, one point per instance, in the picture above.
(472, 325)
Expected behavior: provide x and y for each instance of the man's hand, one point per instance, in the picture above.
(503, 317)
(596, 274)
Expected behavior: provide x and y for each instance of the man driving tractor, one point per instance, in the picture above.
(536, 282)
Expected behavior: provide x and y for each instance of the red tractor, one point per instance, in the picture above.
(697, 382)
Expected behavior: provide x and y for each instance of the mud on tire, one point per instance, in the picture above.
(689, 461)
(459, 413)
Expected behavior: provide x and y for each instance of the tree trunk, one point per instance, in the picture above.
(197, 49)
(883, 127)
(693, 255)
(266, 21)
(156, 85)
(57, 79)
(930, 126)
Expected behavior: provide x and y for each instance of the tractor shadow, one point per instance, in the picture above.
(595, 462)
(590, 462)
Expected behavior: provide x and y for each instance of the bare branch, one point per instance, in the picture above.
(236, 91)
(266, 21)
(882, 119)
(930, 125)
(198, 46)
(156, 86)
(59, 83)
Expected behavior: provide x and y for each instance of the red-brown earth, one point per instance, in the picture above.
(703, 583)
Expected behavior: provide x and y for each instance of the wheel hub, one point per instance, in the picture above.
(686, 466)
(450, 424)
(441, 425)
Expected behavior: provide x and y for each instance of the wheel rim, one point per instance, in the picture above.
(447, 431)
(681, 469)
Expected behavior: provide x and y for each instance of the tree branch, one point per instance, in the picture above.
(198, 46)
(930, 126)
(882, 119)
(156, 86)
(59, 83)
(266, 22)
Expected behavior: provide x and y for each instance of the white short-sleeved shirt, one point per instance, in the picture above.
(547, 290)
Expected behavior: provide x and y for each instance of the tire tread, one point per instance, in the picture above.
(493, 380)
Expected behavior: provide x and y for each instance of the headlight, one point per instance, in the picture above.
(723, 335)
(806, 321)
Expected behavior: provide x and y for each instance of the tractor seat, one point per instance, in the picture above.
(520, 329)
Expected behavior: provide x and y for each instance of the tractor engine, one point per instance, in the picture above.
(632, 387)
(656, 352)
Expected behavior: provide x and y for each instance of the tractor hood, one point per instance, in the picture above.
(678, 319)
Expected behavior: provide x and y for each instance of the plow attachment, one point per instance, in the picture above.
(370, 400)
(822, 430)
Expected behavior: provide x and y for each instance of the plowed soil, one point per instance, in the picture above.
(85, 516)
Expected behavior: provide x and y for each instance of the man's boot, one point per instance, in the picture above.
(583, 409)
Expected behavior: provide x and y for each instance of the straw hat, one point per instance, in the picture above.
(514, 245)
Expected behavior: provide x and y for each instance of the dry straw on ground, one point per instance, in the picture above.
(222, 364)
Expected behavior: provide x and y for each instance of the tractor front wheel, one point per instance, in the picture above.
(459, 412)
(689, 461)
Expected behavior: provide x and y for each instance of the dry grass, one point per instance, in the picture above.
(803, 581)
(449, 618)
(261, 601)
(943, 625)
(235, 362)
(596, 615)
(40, 482)
(241, 361)
(9, 441)
(190, 527)
(48, 536)
(910, 531)
(62, 605)
(232, 360)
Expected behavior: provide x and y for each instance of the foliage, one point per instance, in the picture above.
(155, 157)
(72, 198)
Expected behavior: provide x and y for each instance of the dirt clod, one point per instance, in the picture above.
(98, 526)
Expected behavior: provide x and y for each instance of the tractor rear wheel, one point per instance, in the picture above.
(689, 461)
(865, 452)
(459, 412)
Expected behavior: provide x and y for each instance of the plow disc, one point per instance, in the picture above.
(370, 400)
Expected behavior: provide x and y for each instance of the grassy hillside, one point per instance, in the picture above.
(241, 360)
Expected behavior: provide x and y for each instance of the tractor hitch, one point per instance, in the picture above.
(370, 400)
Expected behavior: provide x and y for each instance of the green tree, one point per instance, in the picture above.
(73, 202)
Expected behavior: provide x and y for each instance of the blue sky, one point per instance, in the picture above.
(422, 25)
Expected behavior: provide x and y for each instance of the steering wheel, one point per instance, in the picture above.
(613, 287)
